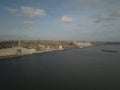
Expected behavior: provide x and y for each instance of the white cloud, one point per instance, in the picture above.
(66, 19)
(26, 11)
(11, 10)
(31, 12)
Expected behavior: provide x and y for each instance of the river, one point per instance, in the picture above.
(71, 69)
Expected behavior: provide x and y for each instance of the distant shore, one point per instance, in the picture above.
(10, 49)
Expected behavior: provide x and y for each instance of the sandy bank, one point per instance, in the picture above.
(12, 52)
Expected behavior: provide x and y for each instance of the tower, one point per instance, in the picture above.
(19, 50)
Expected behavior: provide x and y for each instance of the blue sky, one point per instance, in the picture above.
(89, 20)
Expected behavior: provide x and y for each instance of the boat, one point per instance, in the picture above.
(109, 51)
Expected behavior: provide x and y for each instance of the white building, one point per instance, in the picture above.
(60, 47)
(83, 44)
(41, 46)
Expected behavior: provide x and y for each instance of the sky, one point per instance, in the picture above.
(83, 20)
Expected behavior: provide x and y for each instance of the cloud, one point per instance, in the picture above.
(31, 12)
(11, 10)
(103, 18)
(113, 15)
(66, 19)
(26, 11)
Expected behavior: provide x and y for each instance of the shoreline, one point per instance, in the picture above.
(12, 52)
(32, 52)
(26, 54)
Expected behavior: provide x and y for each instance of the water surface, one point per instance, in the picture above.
(71, 69)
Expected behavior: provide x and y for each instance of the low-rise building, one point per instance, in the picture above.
(83, 44)
(60, 47)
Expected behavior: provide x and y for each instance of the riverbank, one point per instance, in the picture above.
(12, 52)
(9, 49)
